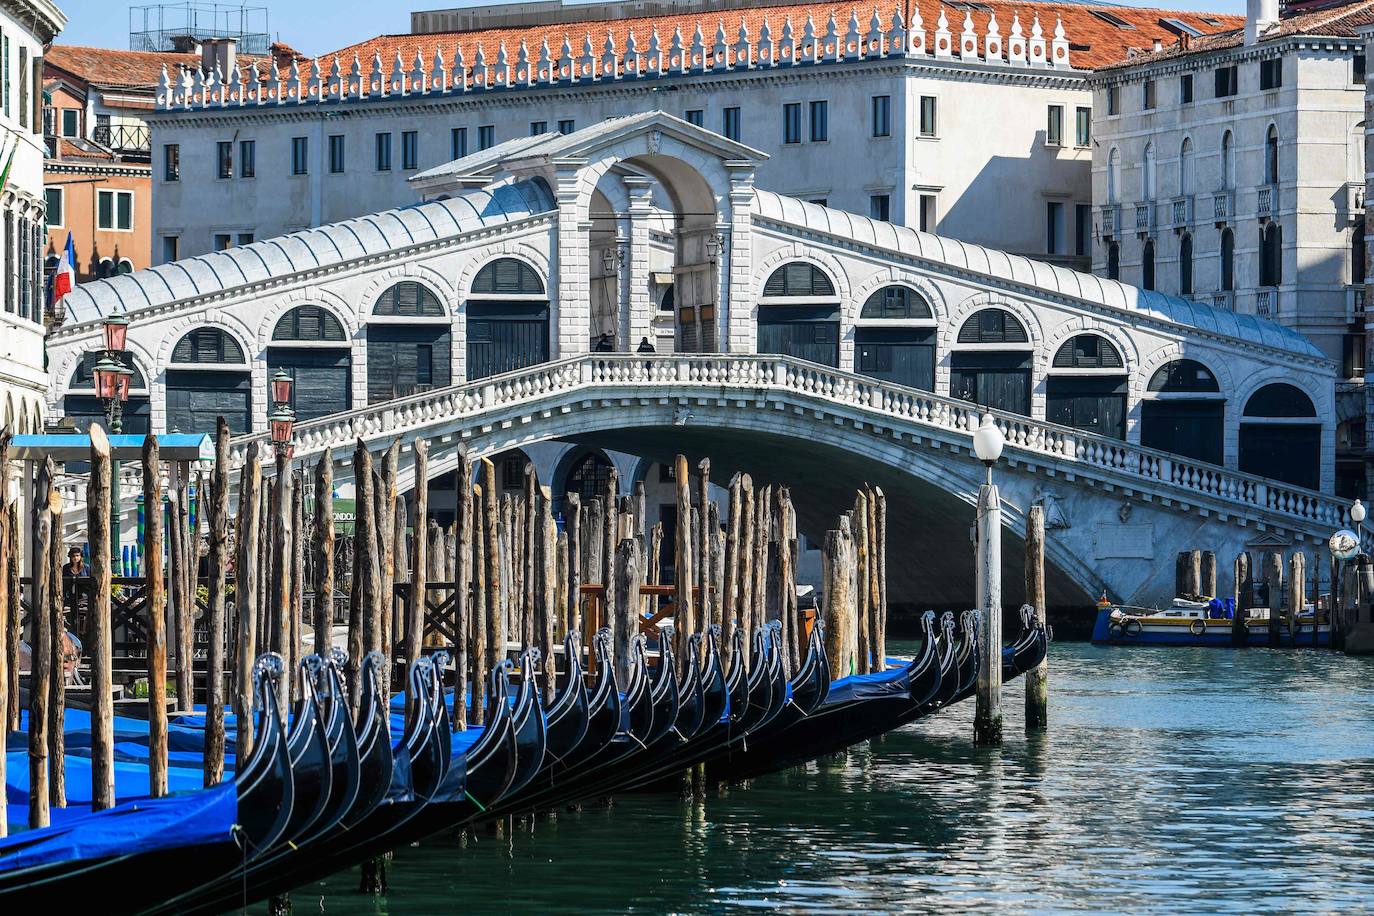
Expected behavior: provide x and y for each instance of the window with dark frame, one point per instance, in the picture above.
(927, 125)
(696, 116)
(382, 148)
(1227, 81)
(880, 206)
(791, 122)
(1185, 89)
(538, 127)
(1113, 100)
(1357, 70)
(1083, 230)
(1148, 95)
(1083, 127)
(820, 121)
(1271, 73)
(566, 126)
(171, 162)
(730, 124)
(248, 158)
(1054, 125)
(882, 115)
(300, 151)
(224, 159)
(457, 142)
(410, 150)
(486, 136)
(336, 153)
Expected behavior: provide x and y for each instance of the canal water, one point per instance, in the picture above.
(1173, 780)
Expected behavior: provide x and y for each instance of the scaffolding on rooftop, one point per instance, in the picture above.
(180, 26)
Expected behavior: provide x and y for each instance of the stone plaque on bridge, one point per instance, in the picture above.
(1124, 541)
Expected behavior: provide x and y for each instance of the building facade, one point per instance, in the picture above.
(26, 30)
(856, 110)
(1230, 170)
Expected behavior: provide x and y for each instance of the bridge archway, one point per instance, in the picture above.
(507, 313)
(409, 342)
(894, 337)
(209, 376)
(1183, 410)
(1280, 435)
(310, 344)
(799, 313)
(993, 361)
(83, 406)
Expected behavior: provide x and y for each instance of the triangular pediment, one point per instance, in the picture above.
(1268, 540)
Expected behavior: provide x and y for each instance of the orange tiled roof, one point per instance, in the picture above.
(1094, 40)
(66, 149)
(1339, 19)
(112, 67)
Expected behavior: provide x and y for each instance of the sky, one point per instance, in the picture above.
(317, 26)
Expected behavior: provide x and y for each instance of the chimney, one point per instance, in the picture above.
(218, 52)
(1259, 16)
(1158, 45)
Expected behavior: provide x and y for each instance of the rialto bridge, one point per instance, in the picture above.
(626, 290)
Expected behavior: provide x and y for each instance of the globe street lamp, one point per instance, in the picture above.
(987, 721)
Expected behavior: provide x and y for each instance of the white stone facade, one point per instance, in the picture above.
(1006, 74)
(534, 209)
(26, 26)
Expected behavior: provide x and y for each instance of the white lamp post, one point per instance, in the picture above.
(987, 721)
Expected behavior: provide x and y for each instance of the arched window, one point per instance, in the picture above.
(1358, 254)
(404, 358)
(81, 405)
(1147, 265)
(898, 350)
(1114, 176)
(1088, 351)
(1185, 167)
(996, 374)
(208, 345)
(104, 269)
(1114, 261)
(1147, 174)
(1185, 265)
(507, 319)
(893, 302)
(1086, 388)
(125, 266)
(1271, 255)
(993, 325)
(409, 299)
(1228, 161)
(799, 314)
(1228, 259)
(590, 477)
(220, 385)
(310, 344)
(1183, 411)
(799, 279)
(1280, 436)
(508, 276)
(1271, 155)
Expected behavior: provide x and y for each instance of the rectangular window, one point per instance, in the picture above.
(820, 122)
(791, 122)
(696, 116)
(248, 159)
(928, 222)
(171, 248)
(336, 153)
(927, 116)
(567, 126)
(1054, 126)
(382, 143)
(424, 364)
(1148, 100)
(300, 153)
(1226, 81)
(1357, 70)
(1113, 100)
(1083, 127)
(1054, 227)
(245, 238)
(486, 136)
(882, 116)
(538, 127)
(1185, 89)
(821, 201)
(1271, 73)
(1082, 229)
(222, 241)
(52, 205)
(458, 142)
(6, 65)
(23, 100)
(171, 162)
(879, 206)
(410, 149)
(115, 210)
(71, 122)
(224, 159)
(729, 123)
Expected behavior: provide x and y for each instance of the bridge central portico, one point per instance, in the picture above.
(791, 339)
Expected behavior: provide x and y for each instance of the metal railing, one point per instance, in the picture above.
(124, 138)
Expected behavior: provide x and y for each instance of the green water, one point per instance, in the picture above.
(1173, 780)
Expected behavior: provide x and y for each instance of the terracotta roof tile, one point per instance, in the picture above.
(66, 149)
(1094, 40)
(1338, 19)
(112, 67)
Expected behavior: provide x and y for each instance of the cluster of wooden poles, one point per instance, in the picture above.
(1195, 575)
(502, 576)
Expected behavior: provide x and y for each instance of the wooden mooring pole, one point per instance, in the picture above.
(1038, 678)
(218, 504)
(1241, 593)
(7, 550)
(1273, 579)
(246, 596)
(101, 655)
(155, 599)
(40, 642)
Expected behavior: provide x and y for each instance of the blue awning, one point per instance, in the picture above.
(77, 447)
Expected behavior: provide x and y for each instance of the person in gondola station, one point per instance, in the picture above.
(72, 570)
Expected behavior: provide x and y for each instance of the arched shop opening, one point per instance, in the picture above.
(992, 365)
(507, 319)
(895, 338)
(1280, 436)
(209, 377)
(1184, 411)
(799, 314)
(310, 345)
(409, 343)
(1086, 387)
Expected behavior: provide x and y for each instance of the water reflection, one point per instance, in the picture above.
(1172, 780)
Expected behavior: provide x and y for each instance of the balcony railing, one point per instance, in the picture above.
(1350, 201)
(1223, 205)
(1267, 302)
(1224, 299)
(124, 138)
(1145, 216)
(1182, 209)
(1266, 200)
(1111, 220)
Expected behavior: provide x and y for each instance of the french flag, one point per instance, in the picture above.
(64, 281)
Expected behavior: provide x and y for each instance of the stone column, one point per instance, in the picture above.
(637, 308)
(571, 311)
(736, 302)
